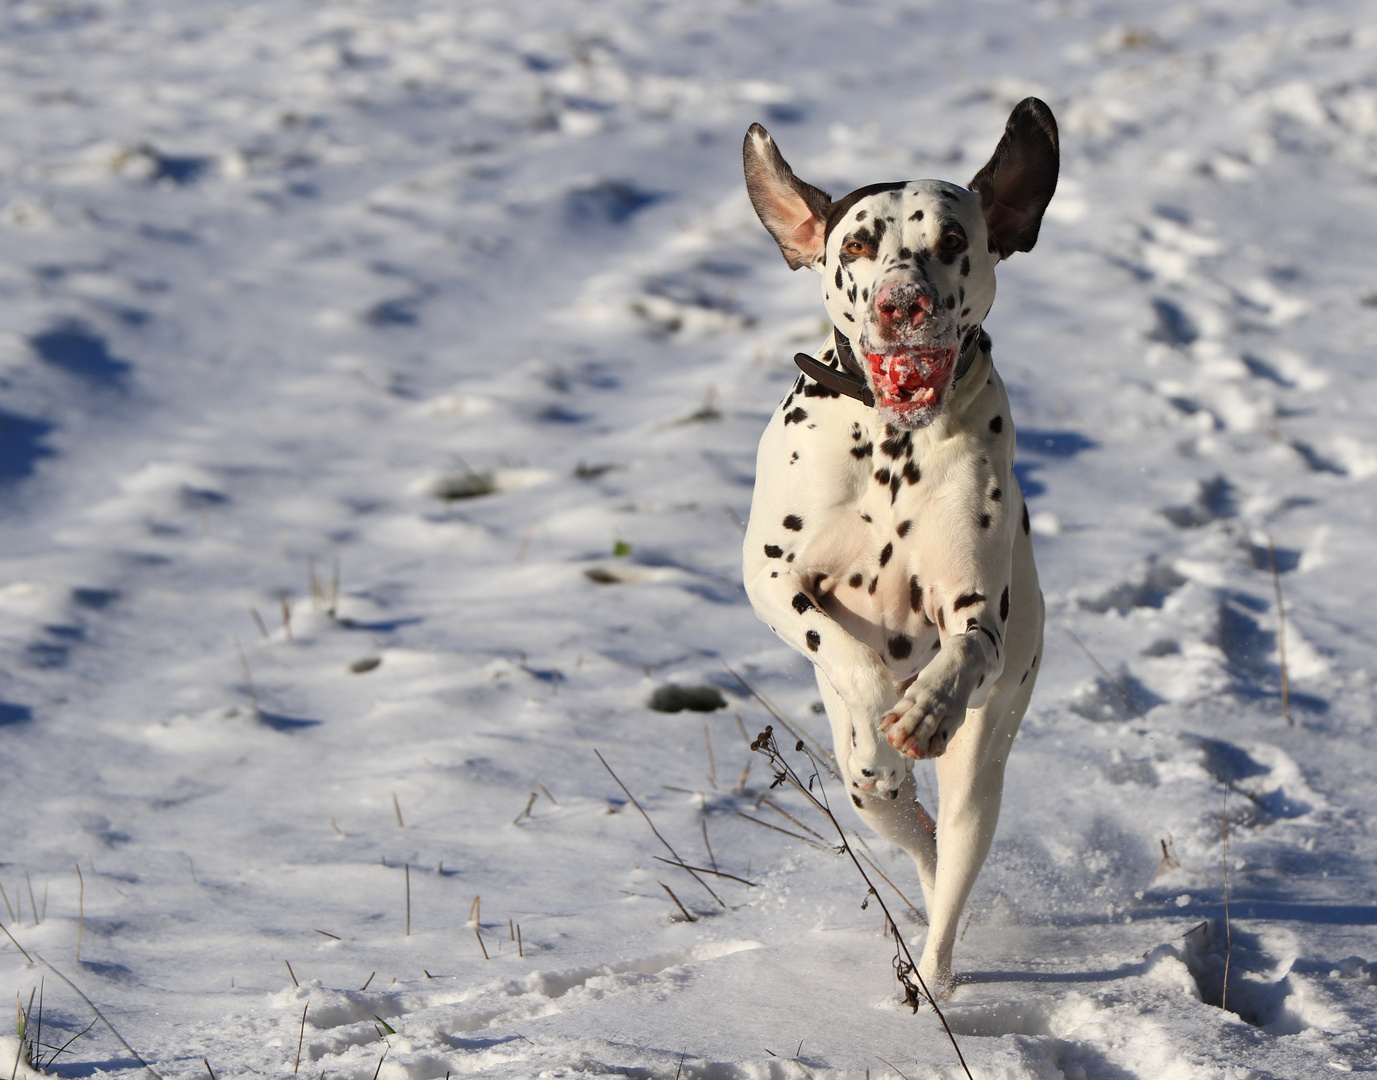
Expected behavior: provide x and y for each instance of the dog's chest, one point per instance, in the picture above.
(882, 522)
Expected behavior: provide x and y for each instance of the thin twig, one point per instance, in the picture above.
(206, 1062)
(519, 950)
(6, 899)
(677, 901)
(333, 937)
(668, 846)
(481, 945)
(1108, 677)
(1228, 927)
(712, 764)
(407, 868)
(291, 972)
(397, 809)
(885, 877)
(101, 1016)
(366, 982)
(905, 969)
(1281, 634)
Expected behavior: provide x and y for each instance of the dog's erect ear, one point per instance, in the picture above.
(795, 213)
(1017, 183)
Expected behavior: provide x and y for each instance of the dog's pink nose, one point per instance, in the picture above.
(902, 304)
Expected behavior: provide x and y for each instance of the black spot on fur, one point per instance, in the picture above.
(1025, 677)
(915, 594)
(912, 473)
(773, 551)
(996, 494)
(894, 487)
(967, 599)
(951, 303)
(793, 523)
(917, 215)
(1025, 519)
(882, 476)
(797, 416)
(802, 603)
(855, 580)
(941, 620)
(860, 215)
(817, 390)
(1004, 605)
(997, 424)
(885, 554)
(857, 800)
(984, 520)
(965, 266)
(873, 582)
(838, 278)
(859, 452)
(903, 528)
(900, 647)
(793, 457)
(866, 517)
(847, 316)
(897, 444)
(814, 639)
(789, 557)
(798, 384)
(989, 634)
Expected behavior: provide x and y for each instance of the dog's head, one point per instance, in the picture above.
(908, 268)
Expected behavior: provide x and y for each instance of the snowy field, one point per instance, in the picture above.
(379, 389)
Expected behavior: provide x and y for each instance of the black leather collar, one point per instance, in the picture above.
(850, 378)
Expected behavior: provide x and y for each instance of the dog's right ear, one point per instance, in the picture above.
(795, 213)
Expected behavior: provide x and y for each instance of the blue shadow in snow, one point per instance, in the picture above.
(1057, 444)
(21, 445)
(73, 348)
(14, 714)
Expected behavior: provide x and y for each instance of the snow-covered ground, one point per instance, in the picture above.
(379, 386)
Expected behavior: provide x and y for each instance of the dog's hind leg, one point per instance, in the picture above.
(901, 819)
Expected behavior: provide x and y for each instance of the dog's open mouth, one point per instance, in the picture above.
(911, 381)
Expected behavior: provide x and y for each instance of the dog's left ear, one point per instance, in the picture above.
(795, 213)
(1017, 183)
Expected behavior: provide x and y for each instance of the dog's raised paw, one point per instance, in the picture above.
(879, 775)
(923, 722)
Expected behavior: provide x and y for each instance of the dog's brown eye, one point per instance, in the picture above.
(857, 248)
(951, 242)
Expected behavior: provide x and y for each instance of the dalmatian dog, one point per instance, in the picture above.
(888, 540)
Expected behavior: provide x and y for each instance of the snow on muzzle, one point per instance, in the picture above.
(911, 379)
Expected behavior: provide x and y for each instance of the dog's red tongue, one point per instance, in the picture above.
(911, 377)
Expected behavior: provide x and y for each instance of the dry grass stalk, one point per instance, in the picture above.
(397, 809)
(286, 614)
(248, 676)
(380, 1061)
(785, 813)
(476, 911)
(1107, 676)
(81, 909)
(527, 812)
(519, 950)
(101, 1017)
(703, 824)
(481, 945)
(6, 899)
(668, 847)
(291, 972)
(786, 832)
(366, 982)
(677, 902)
(905, 969)
(407, 868)
(894, 1067)
(206, 1063)
(1228, 926)
(33, 906)
(301, 1036)
(704, 870)
(820, 753)
(1169, 859)
(1281, 634)
(258, 622)
(16, 944)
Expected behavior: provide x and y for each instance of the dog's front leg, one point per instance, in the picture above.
(784, 599)
(933, 707)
